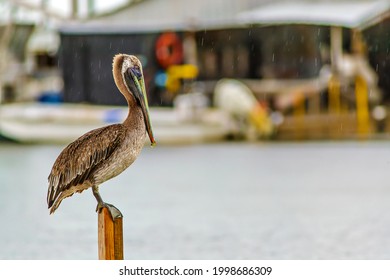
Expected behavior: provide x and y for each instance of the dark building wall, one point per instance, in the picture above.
(246, 53)
(378, 48)
(86, 61)
(284, 52)
(229, 53)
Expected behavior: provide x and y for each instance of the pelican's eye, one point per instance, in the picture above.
(136, 71)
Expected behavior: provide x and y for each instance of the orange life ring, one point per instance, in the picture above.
(169, 49)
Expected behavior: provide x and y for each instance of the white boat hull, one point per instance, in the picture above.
(43, 123)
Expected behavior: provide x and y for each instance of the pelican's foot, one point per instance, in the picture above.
(115, 213)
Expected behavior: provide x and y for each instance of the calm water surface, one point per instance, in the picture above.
(320, 200)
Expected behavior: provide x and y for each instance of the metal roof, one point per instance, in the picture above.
(160, 15)
(349, 14)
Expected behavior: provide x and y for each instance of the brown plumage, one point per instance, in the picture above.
(103, 153)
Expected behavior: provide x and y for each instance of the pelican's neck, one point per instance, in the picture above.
(119, 81)
(135, 113)
(135, 117)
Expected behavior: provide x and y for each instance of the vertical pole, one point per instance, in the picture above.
(336, 47)
(362, 112)
(336, 36)
(361, 88)
(110, 236)
(334, 86)
(334, 106)
(334, 103)
(91, 8)
(299, 114)
(75, 9)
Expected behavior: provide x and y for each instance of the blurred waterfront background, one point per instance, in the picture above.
(270, 117)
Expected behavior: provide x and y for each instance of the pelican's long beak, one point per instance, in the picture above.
(135, 81)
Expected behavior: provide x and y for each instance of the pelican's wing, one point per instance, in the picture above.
(75, 163)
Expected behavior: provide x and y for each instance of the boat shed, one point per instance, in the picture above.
(217, 34)
(87, 48)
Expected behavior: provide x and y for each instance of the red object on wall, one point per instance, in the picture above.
(169, 49)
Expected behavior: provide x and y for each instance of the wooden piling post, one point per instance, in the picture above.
(110, 236)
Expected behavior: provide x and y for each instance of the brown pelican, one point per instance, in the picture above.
(104, 153)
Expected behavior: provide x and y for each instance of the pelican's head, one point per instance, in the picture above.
(129, 78)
